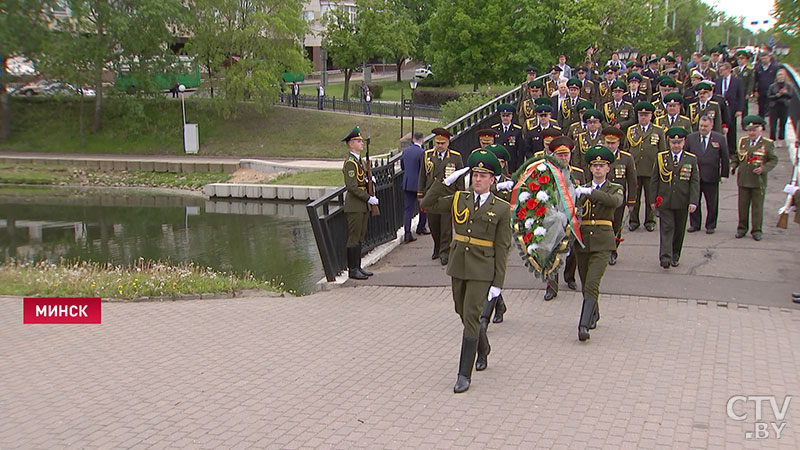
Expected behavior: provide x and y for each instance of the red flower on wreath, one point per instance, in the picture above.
(528, 236)
(522, 213)
(752, 159)
(540, 211)
(533, 186)
(531, 203)
(544, 179)
(659, 200)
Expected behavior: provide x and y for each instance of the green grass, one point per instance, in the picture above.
(153, 126)
(330, 177)
(81, 176)
(144, 279)
(392, 89)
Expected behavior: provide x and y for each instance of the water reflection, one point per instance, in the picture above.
(271, 240)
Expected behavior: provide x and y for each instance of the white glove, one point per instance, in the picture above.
(374, 180)
(373, 200)
(494, 292)
(582, 190)
(790, 189)
(455, 175)
(505, 185)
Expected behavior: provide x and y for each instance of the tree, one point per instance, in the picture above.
(344, 43)
(246, 46)
(788, 14)
(390, 31)
(22, 28)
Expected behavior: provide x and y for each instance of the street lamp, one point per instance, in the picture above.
(634, 54)
(191, 140)
(413, 84)
(182, 89)
(625, 52)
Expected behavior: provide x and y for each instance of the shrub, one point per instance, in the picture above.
(434, 97)
(454, 109)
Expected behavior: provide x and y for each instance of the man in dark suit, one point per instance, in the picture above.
(410, 163)
(731, 89)
(765, 75)
(711, 150)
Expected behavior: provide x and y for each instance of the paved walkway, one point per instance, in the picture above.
(374, 367)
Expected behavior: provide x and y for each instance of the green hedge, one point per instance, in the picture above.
(454, 109)
(434, 97)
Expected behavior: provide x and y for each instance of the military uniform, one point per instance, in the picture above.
(534, 141)
(356, 207)
(675, 186)
(644, 145)
(745, 72)
(603, 93)
(752, 187)
(575, 129)
(589, 91)
(597, 212)
(666, 121)
(478, 256)
(623, 173)
(583, 142)
(568, 114)
(434, 169)
(710, 108)
(618, 113)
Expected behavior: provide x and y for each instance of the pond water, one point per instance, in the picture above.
(272, 240)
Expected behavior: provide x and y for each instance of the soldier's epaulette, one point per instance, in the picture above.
(516, 126)
(767, 139)
(627, 103)
(575, 169)
(556, 127)
(497, 125)
(712, 102)
(497, 197)
(625, 153)
(658, 126)
(679, 116)
(612, 184)
(663, 153)
(581, 133)
(690, 154)
(455, 153)
(430, 150)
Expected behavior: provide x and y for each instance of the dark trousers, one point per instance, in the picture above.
(751, 197)
(320, 101)
(368, 108)
(294, 100)
(441, 233)
(410, 206)
(672, 229)
(777, 124)
(710, 191)
(643, 184)
(731, 137)
(763, 104)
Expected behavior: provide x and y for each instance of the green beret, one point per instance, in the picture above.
(703, 86)
(592, 114)
(584, 104)
(644, 106)
(484, 161)
(677, 133)
(599, 154)
(544, 109)
(619, 85)
(499, 151)
(355, 133)
(506, 108)
(543, 101)
(550, 132)
(674, 97)
(535, 84)
(667, 81)
(744, 53)
(635, 77)
(574, 82)
(705, 58)
(531, 68)
(562, 144)
(749, 121)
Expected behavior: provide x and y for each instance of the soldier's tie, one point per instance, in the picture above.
(477, 201)
(704, 143)
(675, 159)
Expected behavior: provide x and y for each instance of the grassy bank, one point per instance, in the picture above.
(145, 279)
(392, 90)
(330, 177)
(79, 176)
(153, 126)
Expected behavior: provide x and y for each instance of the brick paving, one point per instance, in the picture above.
(374, 367)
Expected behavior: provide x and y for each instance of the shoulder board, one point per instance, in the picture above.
(581, 133)
(614, 185)
(766, 139)
(556, 127)
(539, 153)
(690, 154)
(625, 153)
(429, 151)
(519, 127)
(498, 198)
(497, 125)
(475, 150)
(712, 102)
(742, 139)
(684, 117)
(575, 169)
(629, 103)
(658, 126)
(663, 153)
(455, 152)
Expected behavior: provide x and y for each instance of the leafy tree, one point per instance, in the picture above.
(389, 29)
(788, 14)
(344, 41)
(246, 46)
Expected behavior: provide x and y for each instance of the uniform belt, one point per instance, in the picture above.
(362, 187)
(472, 240)
(597, 222)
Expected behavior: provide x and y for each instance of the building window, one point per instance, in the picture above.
(308, 16)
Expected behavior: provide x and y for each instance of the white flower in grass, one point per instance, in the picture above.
(542, 196)
(529, 223)
(532, 248)
(541, 168)
(524, 196)
(540, 231)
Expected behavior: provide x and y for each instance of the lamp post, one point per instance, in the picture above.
(634, 54)
(182, 89)
(625, 52)
(413, 84)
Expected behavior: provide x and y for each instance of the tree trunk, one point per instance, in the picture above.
(210, 79)
(5, 112)
(399, 63)
(347, 74)
(80, 122)
(475, 86)
(98, 100)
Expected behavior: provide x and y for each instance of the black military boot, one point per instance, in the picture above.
(358, 254)
(499, 309)
(587, 313)
(595, 317)
(486, 314)
(469, 345)
(352, 264)
(483, 347)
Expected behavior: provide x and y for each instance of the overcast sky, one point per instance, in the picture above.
(752, 10)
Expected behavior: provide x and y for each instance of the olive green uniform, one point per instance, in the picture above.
(623, 173)
(679, 186)
(622, 114)
(355, 200)
(432, 171)
(570, 262)
(568, 114)
(746, 74)
(583, 142)
(752, 187)
(644, 146)
(679, 121)
(711, 109)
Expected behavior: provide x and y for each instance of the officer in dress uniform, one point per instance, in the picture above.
(634, 94)
(356, 203)
(509, 135)
(561, 147)
(599, 198)
(533, 121)
(551, 85)
(568, 113)
(486, 137)
(755, 157)
(617, 112)
(437, 164)
(672, 116)
(666, 86)
(547, 136)
(744, 71)
(588, 88)
(587, 139)
(604, 87)
(533, 139)
(675, 184)
(478, 257)
(704, 106)
(623, 173)
(580, 125)
(652, 72)
(526, 106)
(644, 141)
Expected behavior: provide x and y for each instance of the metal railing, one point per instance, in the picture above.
(327, 214)
(380, 108)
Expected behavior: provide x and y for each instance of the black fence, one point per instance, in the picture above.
(381, 108)
(327, 215)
